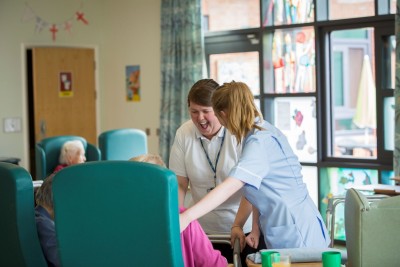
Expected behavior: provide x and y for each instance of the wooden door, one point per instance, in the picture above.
(64, 93)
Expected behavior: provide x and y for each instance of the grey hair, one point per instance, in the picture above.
(149, 158)
(70, 148)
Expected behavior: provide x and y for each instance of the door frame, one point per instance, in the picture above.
(24, 88)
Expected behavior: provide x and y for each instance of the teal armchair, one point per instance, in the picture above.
(122, 144)
(372, 230)
(117, 213)
(19, 240)
(47, 153)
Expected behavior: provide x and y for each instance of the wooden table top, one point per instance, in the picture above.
(384, 189)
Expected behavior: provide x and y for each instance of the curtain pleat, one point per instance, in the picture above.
(182, 54)
(396, 153)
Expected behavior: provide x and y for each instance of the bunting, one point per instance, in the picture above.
(54, 28)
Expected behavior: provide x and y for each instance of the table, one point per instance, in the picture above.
(37, 183)
(249, 263)
(349, 143)
(384, 189)
(396, 179)
(10, 160)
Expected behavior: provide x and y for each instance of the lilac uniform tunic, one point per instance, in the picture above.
(274, 185)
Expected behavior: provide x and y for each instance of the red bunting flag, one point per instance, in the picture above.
(54, 31)
(54, 28)
(80, 16)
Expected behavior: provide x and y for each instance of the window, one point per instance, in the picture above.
(230, 15)
(353, 100)
(324, 74)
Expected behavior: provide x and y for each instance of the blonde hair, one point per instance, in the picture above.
(70, 148)
(237, 101)
(149, 158)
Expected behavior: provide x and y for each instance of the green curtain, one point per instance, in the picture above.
(182, 55)
(396, 154)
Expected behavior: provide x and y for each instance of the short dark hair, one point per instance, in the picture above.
(201, 92)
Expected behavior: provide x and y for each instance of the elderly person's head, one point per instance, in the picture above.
(44, 195)
(72, 153)
(149, 158)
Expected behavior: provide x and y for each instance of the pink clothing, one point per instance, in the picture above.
(197, 250)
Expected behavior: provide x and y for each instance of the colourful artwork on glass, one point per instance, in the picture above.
(241, 67)
(293, 60)
(296, 118)
(386, 177)
(286, 12)
(334, 182)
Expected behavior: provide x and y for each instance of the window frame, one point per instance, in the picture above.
(384, 159)
(237, 41)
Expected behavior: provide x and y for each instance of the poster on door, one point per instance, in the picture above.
(65, 89)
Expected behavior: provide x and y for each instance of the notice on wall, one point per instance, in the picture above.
(66, 89)
(133, 83)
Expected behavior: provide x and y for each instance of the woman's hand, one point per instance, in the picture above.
(237, 232)
(253, 238)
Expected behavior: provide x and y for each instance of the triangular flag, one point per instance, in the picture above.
(68, 26)
(28, 14)
(40, 24)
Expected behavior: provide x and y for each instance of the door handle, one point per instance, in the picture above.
(43, 129)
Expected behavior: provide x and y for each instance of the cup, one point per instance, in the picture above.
(331, 259)
(266, 257)
(280, 260)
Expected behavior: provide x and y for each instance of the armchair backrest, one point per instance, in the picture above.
(372, 230)
(19, 240)
(122, 144)
(47, 153)
(117, 213)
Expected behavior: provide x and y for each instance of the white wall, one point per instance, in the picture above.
(133, 37)
(123, 32)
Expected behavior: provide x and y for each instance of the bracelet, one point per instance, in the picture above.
(235, 225)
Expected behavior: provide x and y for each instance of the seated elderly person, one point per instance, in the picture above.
(72, 152)
(44, 216)
(197, 250)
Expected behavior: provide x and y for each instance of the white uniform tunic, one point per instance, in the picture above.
(274, 185)
(188, 159)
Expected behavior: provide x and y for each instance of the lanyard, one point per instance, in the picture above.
(214, 169)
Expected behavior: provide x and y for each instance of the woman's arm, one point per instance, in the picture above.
(212, 200)
(183, 184)
(242, 215)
